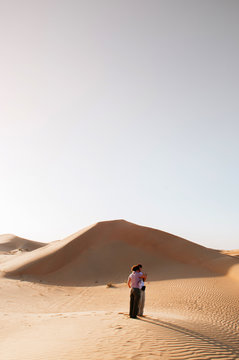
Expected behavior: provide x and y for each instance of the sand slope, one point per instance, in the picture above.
(102, 253)
(12, 246)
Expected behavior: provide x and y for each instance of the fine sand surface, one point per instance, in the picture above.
(55, 302)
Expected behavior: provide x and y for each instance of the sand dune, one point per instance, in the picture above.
(55, 303)
(9, 242)
(12, 246)
(102, 253)
(231, 252)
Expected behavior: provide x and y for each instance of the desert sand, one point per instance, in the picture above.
(69, 299)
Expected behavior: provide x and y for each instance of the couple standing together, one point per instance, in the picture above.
(137, 293)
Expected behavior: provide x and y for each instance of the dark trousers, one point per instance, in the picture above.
(134, 302)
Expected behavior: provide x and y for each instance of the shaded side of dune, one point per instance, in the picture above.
(103, 253)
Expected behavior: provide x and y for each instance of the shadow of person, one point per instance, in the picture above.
(194, 335)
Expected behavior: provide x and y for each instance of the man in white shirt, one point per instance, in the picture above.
(134, 283)
(142, 291)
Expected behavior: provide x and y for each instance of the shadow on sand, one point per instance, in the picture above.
(194, 335)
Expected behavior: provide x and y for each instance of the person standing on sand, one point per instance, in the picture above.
(142, 291)
(134, 283)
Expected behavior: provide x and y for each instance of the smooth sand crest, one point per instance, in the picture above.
(191, 310)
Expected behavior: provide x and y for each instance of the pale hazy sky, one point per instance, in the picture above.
(120, 109)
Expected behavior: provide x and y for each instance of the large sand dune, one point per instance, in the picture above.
(104, 251)
(55, 303)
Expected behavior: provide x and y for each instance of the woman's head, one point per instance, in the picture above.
(135, 268)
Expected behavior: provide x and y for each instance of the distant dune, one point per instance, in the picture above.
(231, 252)
(9, 242)
(103, 253)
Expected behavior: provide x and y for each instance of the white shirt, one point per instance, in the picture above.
(141, 281)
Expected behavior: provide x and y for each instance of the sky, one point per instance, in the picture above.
(120, 110)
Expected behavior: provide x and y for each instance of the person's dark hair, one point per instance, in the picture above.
(134, 268)
(140, 266)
